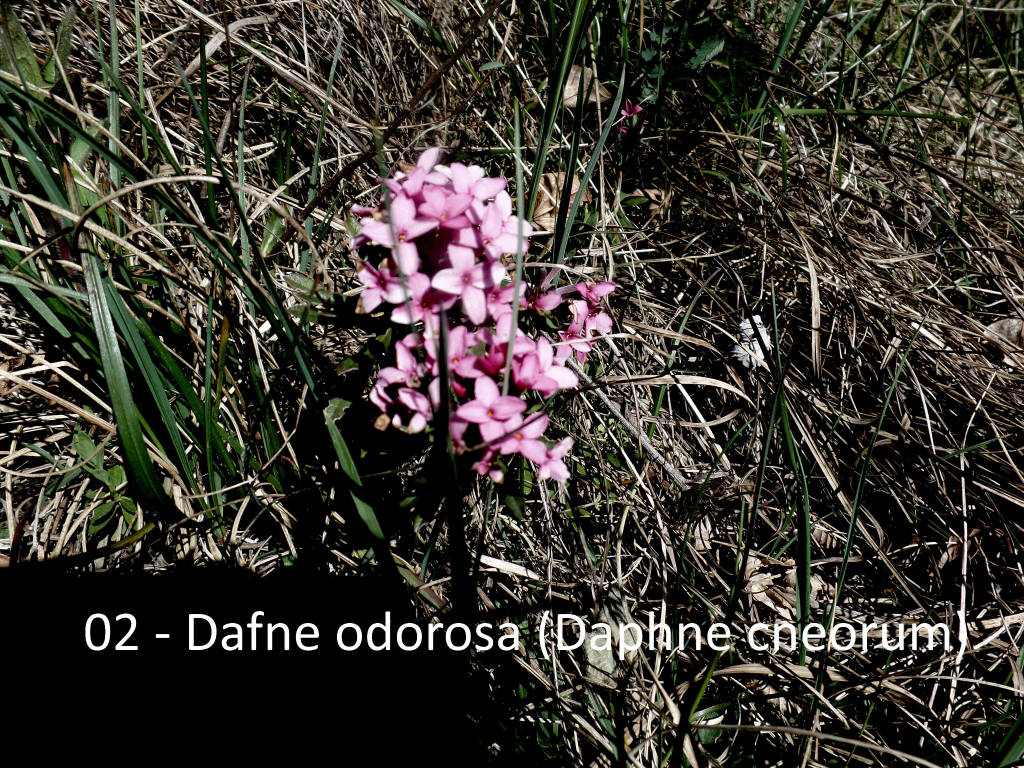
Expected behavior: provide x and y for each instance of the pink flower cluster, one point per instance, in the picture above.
(629, 110)
(450, 236)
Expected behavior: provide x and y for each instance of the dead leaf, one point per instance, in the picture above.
(762, 589)
(830, 539)
(1010, 330)
(660, 200)
(777, 592)
(702, 531)
(1008, 335)
(579, 84)
(10, 364)
(549, 195)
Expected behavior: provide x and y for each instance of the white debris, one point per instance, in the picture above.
(749, 352)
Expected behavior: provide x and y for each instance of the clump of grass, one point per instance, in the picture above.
(185, 374)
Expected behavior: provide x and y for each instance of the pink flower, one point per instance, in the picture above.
(467, 279)
(539, 371)
(594, 292)
(379, 395)
(575, 340)
(470, 180)
(381, 285)
(418, 303)
(497, 229)
(541, 301)
(499, 302)
(487, 465)
(523, 438)
(628, 112)
(445, 208)
(631, 109)
(449, 230)
(490, 409)
(406, 228)
(419, 405)
(460, 361)
(590, 317)
(553, 465)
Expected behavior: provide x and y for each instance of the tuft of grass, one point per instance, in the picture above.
(183, 369)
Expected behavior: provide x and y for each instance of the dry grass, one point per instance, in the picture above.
(870, 466)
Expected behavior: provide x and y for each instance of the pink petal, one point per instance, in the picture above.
(545, 354)
(555, 469)
(408, 258)
(449, 281)
(433, 202)
(402, 211)
(545, 385)
(377, 231)
(535, 426)
(485, 189)
(474, 305)
(491, 430)
(461, 258)
(534, 450)
(457, 429)
(601, 322)
(509, 243)
(371, 299)
(486, 390)
(414, 401)
(561, 448)
(474, 411)
(457, 340)
(414, 229)
(429, 159)
(526, 372)
(461, 180)
(548, 301)
(506, 407)
(456, 205)
(495, 274)
(503, 203)
(563, 377)
(455, 223)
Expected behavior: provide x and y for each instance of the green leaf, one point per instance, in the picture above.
(366, 514)
(1012, 748)
(347, 364)
(300, 282)
(515, 506)
(304, 314)
(348, 465)
(25, 62)
(707, 51)
(419, 22)
(87, 450)
(333, 411)
(273, 232)
(336, 408)
(117, 476)
(122, 402)
(101, 517)
(62, 47)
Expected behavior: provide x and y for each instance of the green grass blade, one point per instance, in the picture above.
(140, 465)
